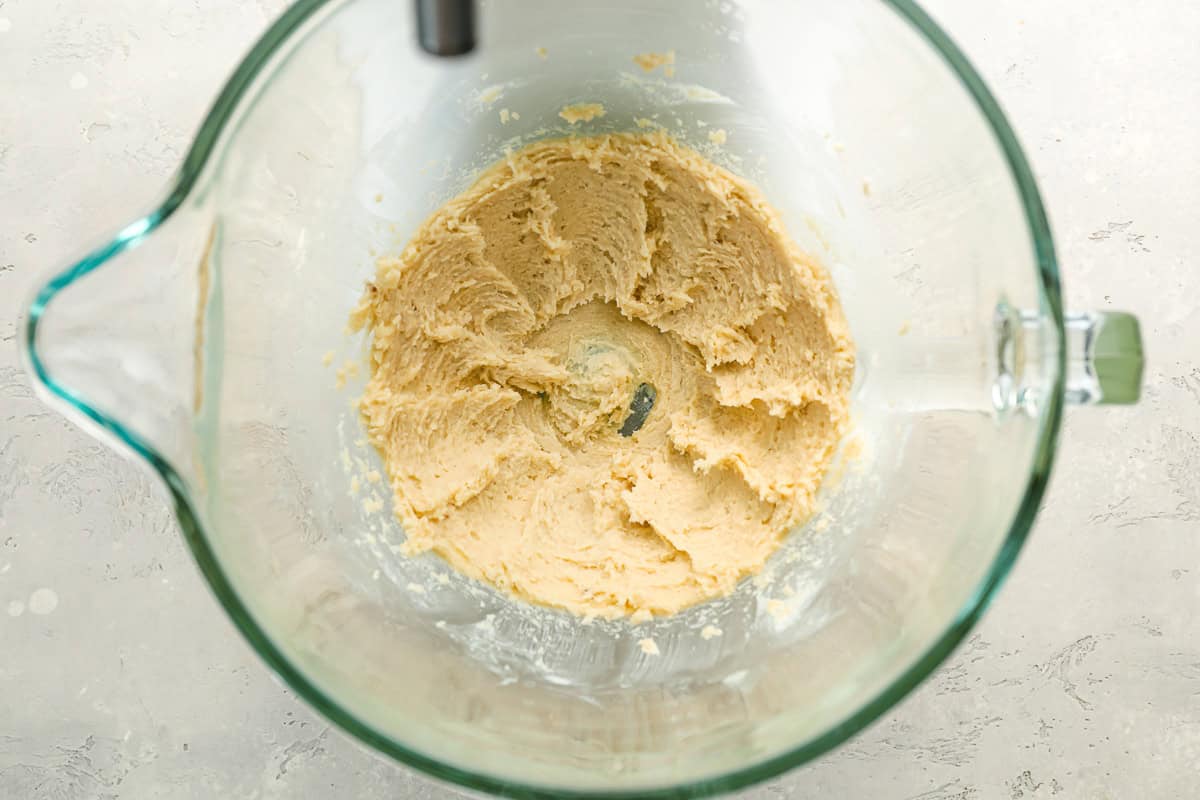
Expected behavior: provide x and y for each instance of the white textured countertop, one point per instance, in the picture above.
(121, 678)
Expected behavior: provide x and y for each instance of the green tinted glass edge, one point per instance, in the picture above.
(195, 161)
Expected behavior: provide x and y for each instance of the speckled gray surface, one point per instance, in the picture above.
(125, 680)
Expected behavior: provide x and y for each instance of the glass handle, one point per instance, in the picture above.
(1104, 358)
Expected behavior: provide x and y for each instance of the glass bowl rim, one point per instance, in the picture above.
(203, 147)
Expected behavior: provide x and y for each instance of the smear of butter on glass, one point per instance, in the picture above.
(582, 112)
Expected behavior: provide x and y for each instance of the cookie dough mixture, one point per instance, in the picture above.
(603, 378)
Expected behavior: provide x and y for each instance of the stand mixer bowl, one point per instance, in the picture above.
(206, 338)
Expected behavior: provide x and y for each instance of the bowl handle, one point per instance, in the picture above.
(1104, 358)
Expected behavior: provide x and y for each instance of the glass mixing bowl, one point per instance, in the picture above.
(197, 337)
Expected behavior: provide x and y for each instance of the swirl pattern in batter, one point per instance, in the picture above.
(604, 378)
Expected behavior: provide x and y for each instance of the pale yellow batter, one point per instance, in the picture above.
(534, 319)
